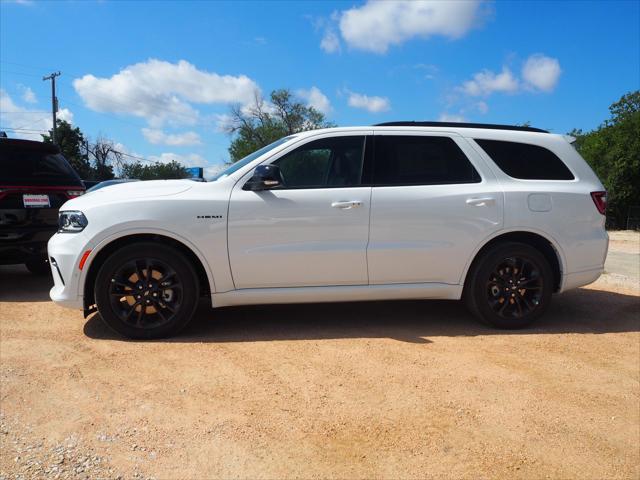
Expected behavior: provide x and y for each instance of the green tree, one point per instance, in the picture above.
(263, 123)
(73, 146)
(613, 151)
(153, 171)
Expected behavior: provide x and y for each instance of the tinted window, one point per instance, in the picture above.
(234, 167)
(524, 161)
(30, 166)
(329, 162)
(418, 160)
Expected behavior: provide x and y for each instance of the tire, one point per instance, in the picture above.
(510, 286)
(146, 290)
(38, 266)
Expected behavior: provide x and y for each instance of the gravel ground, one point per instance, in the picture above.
(369, 390)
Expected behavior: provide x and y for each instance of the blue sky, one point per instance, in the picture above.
(159, 77)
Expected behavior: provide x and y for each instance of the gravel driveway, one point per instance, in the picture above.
(369, 390)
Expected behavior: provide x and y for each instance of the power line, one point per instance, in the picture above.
(26, 130)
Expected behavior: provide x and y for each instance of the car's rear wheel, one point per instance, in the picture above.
(509, 286)
(38, 266)
(146, 291)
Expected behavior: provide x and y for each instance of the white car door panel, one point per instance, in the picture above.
(426, 233)
(299, 237)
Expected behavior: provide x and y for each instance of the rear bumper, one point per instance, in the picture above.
(18, 247)
(574, 280)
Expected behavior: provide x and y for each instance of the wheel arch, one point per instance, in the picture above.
(545, 245)
(100, 253)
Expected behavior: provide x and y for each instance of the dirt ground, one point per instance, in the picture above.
(370, 390)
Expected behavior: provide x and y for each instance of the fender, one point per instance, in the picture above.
(95, 249)
(554, 243)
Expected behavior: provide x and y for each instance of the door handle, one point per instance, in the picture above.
(346, 205)
(481, 202)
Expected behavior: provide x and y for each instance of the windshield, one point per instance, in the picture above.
(234, 167)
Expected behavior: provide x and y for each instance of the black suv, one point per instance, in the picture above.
(35, 180)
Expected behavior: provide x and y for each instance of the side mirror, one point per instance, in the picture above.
(265, 177)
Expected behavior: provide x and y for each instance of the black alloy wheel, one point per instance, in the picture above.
(146, 291)
(509, 286)
(514, 288)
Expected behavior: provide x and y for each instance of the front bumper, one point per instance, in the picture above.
(65, 251)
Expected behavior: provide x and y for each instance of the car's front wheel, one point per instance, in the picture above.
(509, 286)
(146, 290)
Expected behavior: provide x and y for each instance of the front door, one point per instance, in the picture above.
(312, 231)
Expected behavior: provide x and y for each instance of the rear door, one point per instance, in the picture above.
(313, 231)
(433, 202)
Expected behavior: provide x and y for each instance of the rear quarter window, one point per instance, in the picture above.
(525, 161)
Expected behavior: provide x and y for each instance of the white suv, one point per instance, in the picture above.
(499, 216)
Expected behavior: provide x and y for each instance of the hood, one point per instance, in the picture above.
(130, 191)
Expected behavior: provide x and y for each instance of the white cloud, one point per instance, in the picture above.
(316, 99)
(162, 92)
(21, 122)
(189, 160)
(482, 107)
(486, 82)
(330, 42)
(371, 104)
(451, 117)
(541, 72)
(65, 114)
(28, 95)
(375, 26)
(160, 137)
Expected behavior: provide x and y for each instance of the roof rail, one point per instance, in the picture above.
(490, 126)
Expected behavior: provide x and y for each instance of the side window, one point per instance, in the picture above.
(525, 161)
(329, 162)
(421, 160)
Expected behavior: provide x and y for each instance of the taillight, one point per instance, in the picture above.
(74, 193)
(600, 200)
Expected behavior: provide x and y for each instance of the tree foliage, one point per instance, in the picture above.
(613, 151)
(153, 171)
(100, 160)
(265, 122)
(105, 157)
(72, 144)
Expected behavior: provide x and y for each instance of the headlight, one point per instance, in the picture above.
(71, 221)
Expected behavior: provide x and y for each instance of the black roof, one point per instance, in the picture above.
(28, 144)
(490, 126)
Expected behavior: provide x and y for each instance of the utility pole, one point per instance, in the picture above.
(54, 101)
